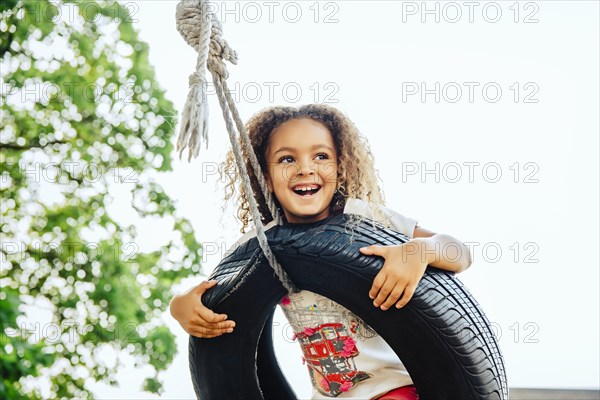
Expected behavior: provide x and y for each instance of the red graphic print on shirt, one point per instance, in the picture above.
(327, 344)
(329, 354)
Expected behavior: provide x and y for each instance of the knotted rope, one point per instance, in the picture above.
(202, 30)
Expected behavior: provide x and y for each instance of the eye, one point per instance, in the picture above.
(286, 159)
(323, 156)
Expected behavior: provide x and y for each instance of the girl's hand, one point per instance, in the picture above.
(195, 318)
(402, 270)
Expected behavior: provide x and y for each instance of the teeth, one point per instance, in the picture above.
(300, 190)
(305, 188)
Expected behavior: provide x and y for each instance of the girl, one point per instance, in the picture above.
(318, 165)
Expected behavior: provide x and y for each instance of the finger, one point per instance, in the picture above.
(386, 289)
(212, 325)
(198, 331)
(209, 331)
(409, 291)
(203, 331)
(204, 312)
(377, 284)
(203, 335)
(372, 250)
(208, 315)
(205, 285)
(394, 296)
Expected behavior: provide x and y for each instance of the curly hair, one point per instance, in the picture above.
(356, 178)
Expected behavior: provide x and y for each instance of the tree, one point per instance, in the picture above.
(81, 111)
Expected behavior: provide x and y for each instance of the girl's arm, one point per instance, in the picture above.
(441, 250)
(406, 263)
(195, 318)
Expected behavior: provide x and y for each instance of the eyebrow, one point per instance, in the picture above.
(316, 146)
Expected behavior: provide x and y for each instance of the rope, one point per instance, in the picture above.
(270, 200)
(202, 30)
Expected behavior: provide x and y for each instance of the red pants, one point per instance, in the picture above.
(402, 393)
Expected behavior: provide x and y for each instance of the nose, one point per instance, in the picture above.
(306, 167)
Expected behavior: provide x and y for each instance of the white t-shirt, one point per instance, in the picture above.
(345, 357)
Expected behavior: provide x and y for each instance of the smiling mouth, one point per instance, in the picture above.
(306, 191)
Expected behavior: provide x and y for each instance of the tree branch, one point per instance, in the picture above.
(12, 146)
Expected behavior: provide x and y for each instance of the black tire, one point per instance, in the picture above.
(442, 336)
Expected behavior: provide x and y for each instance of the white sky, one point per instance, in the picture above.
(368, 56)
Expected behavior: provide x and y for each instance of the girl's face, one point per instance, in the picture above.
(302, 169)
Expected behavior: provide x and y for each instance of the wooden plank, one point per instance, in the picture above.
(553, 394)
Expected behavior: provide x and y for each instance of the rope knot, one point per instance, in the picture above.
(217, 66)
(219, 46)
(202, 30)
(196, 78)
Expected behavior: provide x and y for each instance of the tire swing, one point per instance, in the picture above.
(442, 336)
